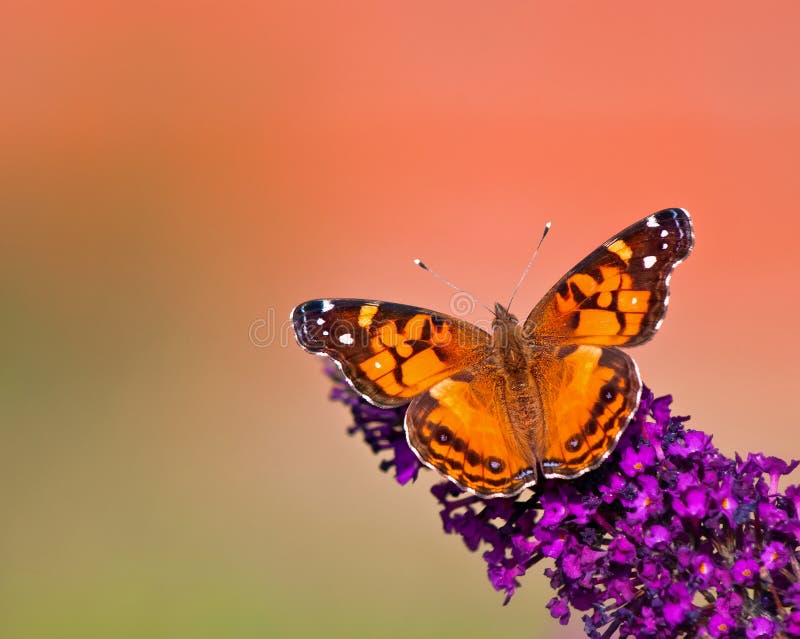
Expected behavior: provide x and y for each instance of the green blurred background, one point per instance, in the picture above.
(174, 178)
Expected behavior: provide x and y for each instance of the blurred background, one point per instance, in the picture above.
(174, 177)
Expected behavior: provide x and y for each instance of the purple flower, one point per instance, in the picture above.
(703, 570)
(725, 500)
(761, 628)
(694, 443)
(634, 461)
(621, 550)
(693, 504)
(793, 495)
(657, 536)
(774, 556)
(382, 429)
(643, 499)
(553, 510)
(505, 579)
(678, 604)
(559, 610)
(745, 572)
(773, 466)
(667, 538)
(792, 623)
(721, 625)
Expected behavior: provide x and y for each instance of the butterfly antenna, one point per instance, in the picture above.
(425, 267)
(530, 263)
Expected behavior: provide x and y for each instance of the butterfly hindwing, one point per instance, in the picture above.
(461, 428)
(588, 396)
(389, 352)
(617, 295)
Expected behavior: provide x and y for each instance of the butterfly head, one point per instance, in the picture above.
(502, 317)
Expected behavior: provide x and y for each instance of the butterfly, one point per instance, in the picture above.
(546, 398)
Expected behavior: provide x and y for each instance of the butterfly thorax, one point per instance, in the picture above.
(512, 357)
(508, 342)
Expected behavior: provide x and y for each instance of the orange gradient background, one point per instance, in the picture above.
(174, 178)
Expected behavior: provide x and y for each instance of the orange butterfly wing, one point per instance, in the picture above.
(388, 352)
(618, 295)
(461, 427)
(588, 396)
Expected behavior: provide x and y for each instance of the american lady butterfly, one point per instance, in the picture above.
(551, 396)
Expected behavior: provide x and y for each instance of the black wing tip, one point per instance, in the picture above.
(301, 313)
(683, 220)
(307, 331)
(678, 215)
(318, 305)
(673, 212)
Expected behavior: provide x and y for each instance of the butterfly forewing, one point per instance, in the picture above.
(617, 295)
(390, 353)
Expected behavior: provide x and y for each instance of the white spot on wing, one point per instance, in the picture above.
(327, 305)
(664, 246)
(652, 222)
(346, 339)
(659, 323)
(325, 333)
(377, 364)
(320, 321)
(664, 233)
(634, 300)
(649, 261)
